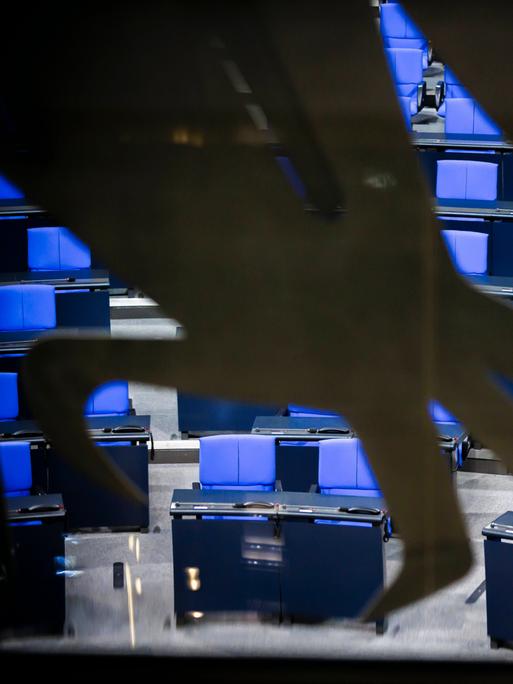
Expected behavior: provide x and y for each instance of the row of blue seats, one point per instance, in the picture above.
(247, 462)
(407, 51)
(109, 399)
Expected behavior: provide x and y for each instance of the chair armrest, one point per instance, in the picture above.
(439, 94)
(196, 485)
(421, 95)
(278, 487)
(314, 488)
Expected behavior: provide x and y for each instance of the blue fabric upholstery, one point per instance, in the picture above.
(56, 248)
(399, 31)
(111, 398)
(16, 468)
(344, 469)
(453, 88)
(439, 414)
(8, 396)
(406, 68)
(465, 180)
(468, 251)
(306, 411)
(8, 191)
(464, 115)
(27, 307)
(109, 444)
(244, 462)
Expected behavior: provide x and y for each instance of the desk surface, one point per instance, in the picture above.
(501, 527)
(474, 208)
(289, 427)
(35, 507)
(61, 280)
(500, 286)
(489, 142)
(283, 504)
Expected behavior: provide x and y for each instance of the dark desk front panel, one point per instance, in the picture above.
(238, 566)
(90, 505)
(199, 415)
(297, 466)
(83, 310)
(37, 545)
(331, 571)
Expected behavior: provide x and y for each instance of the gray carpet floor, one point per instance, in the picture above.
(97, 616)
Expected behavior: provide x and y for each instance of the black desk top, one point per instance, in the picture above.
(291, 428)
(474, 208)
(489, 142)
(35, 507)
(16, 207)
(61, 280)
(500, 286)
(106, 428)
(283, 504)
(501, 527)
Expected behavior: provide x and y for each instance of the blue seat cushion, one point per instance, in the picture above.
(439, 414)
(460, 179)
(238, 461)
(117, 443)
(111, 398)
(27, 307)
(468, 250)
(464, 116)
(405, 65)
(344, 468)
(56, 248)
(8, 396)
(8, 191)
(15, 466)
(241, 488)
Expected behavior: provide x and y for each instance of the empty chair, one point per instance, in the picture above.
(56, 248)
(448, 89)
(468, 251)
(27, 307)
(398, 30)
(296, 411)
(466, 180)
(406, 69)
(344, 469)
(16, 468)
(240, 462)
(9, 408)
(8, 191)
(465, 116)
(109, 399)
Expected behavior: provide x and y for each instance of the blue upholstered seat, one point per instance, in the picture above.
(345, 470)
(453, 89)
(27, 307)
(465, 116)
(9, 396)
(406, 68)
(16, 468)
(56, 248)
(8, 191)
(297, 411)
(468, 251)
(399, 31)
(241, 462)
(109, 399)
(466, 180)
(439, 414)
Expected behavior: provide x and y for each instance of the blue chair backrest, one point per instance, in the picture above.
(27, 307)
(8, 191)
(453, 87)
(468, 251)
(56, 248)
(464, 115)
(439, 414)
(466, 180)
(111, 398)
(405, 65)
(243, 462)
(16, 468)
(9, 408)
(398, 30)
(305, 411)
(344, 469)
